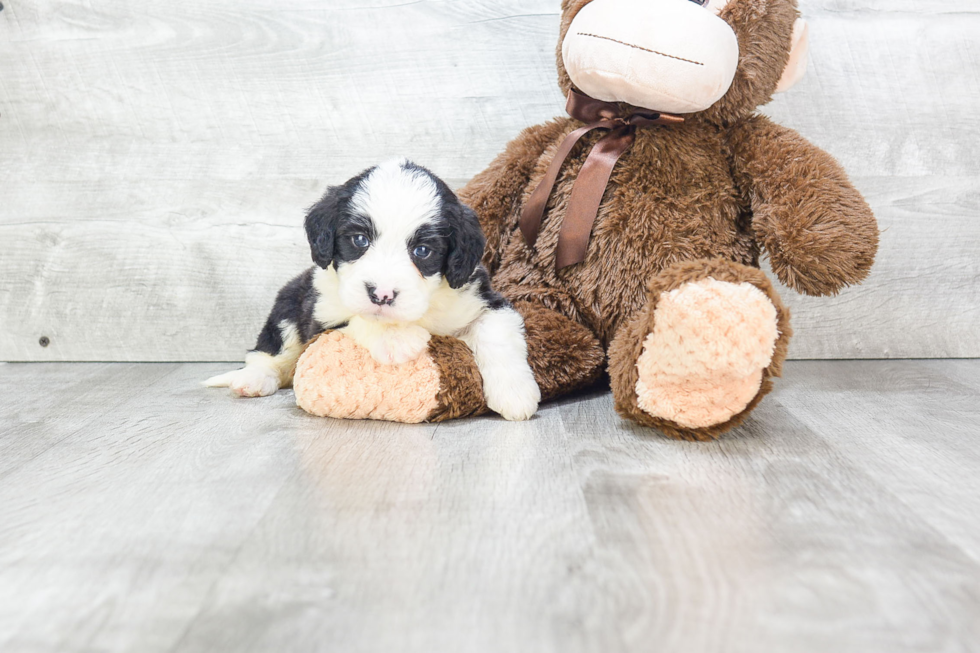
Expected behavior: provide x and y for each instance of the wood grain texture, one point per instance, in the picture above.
(32, 426)
(171, 518)
(157, 157)
(918, 419)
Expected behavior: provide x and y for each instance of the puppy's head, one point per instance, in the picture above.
(394, 233)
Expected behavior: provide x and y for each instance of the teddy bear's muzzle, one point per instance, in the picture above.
(674, 56)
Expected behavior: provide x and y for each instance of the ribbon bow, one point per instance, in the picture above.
(587, 190)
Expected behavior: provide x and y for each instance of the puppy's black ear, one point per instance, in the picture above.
(466, 243)
(321, 224)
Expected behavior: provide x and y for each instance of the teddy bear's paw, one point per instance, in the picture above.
(697, 403)
(336, 377)
(703, 361)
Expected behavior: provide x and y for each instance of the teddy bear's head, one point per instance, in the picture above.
(717, 58)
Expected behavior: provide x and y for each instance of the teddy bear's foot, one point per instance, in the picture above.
(703, 349)
(336, 377)
(702, 363)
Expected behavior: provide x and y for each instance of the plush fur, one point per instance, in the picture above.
(716, 192)
(627, 349)
(398, 261)
(331, 380)
(685, 204)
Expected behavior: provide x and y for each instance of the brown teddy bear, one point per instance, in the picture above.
(628, 235)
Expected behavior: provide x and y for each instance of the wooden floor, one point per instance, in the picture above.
(141, 512)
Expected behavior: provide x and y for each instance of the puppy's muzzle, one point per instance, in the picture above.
(384, 297)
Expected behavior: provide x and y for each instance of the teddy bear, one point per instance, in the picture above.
(628, 234)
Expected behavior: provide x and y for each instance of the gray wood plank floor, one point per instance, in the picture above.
(141, 512)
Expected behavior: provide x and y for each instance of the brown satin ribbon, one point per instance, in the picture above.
(587, 190)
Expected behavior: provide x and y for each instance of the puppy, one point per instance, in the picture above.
(397, 259)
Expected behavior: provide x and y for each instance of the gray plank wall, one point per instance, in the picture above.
(156, 157)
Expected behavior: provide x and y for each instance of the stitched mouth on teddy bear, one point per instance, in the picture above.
(640, 47)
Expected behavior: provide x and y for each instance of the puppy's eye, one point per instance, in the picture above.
(421, 252)
(360, 240)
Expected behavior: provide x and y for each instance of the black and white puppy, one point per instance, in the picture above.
(397, 259)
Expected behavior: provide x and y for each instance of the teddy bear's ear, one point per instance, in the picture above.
(796, 67)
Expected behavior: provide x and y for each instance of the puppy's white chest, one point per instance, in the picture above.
(452, 311)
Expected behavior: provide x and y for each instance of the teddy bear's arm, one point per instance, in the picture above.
(817, 228)
(496, 192)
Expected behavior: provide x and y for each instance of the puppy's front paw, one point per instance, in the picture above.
(515, 397)
(398, 345)
(247, 382)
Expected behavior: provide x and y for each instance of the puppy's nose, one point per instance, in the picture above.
(382, 297)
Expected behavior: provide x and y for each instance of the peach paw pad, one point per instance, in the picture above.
(335, 377)
(704, 360)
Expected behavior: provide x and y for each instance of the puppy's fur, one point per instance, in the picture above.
(397, 259)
